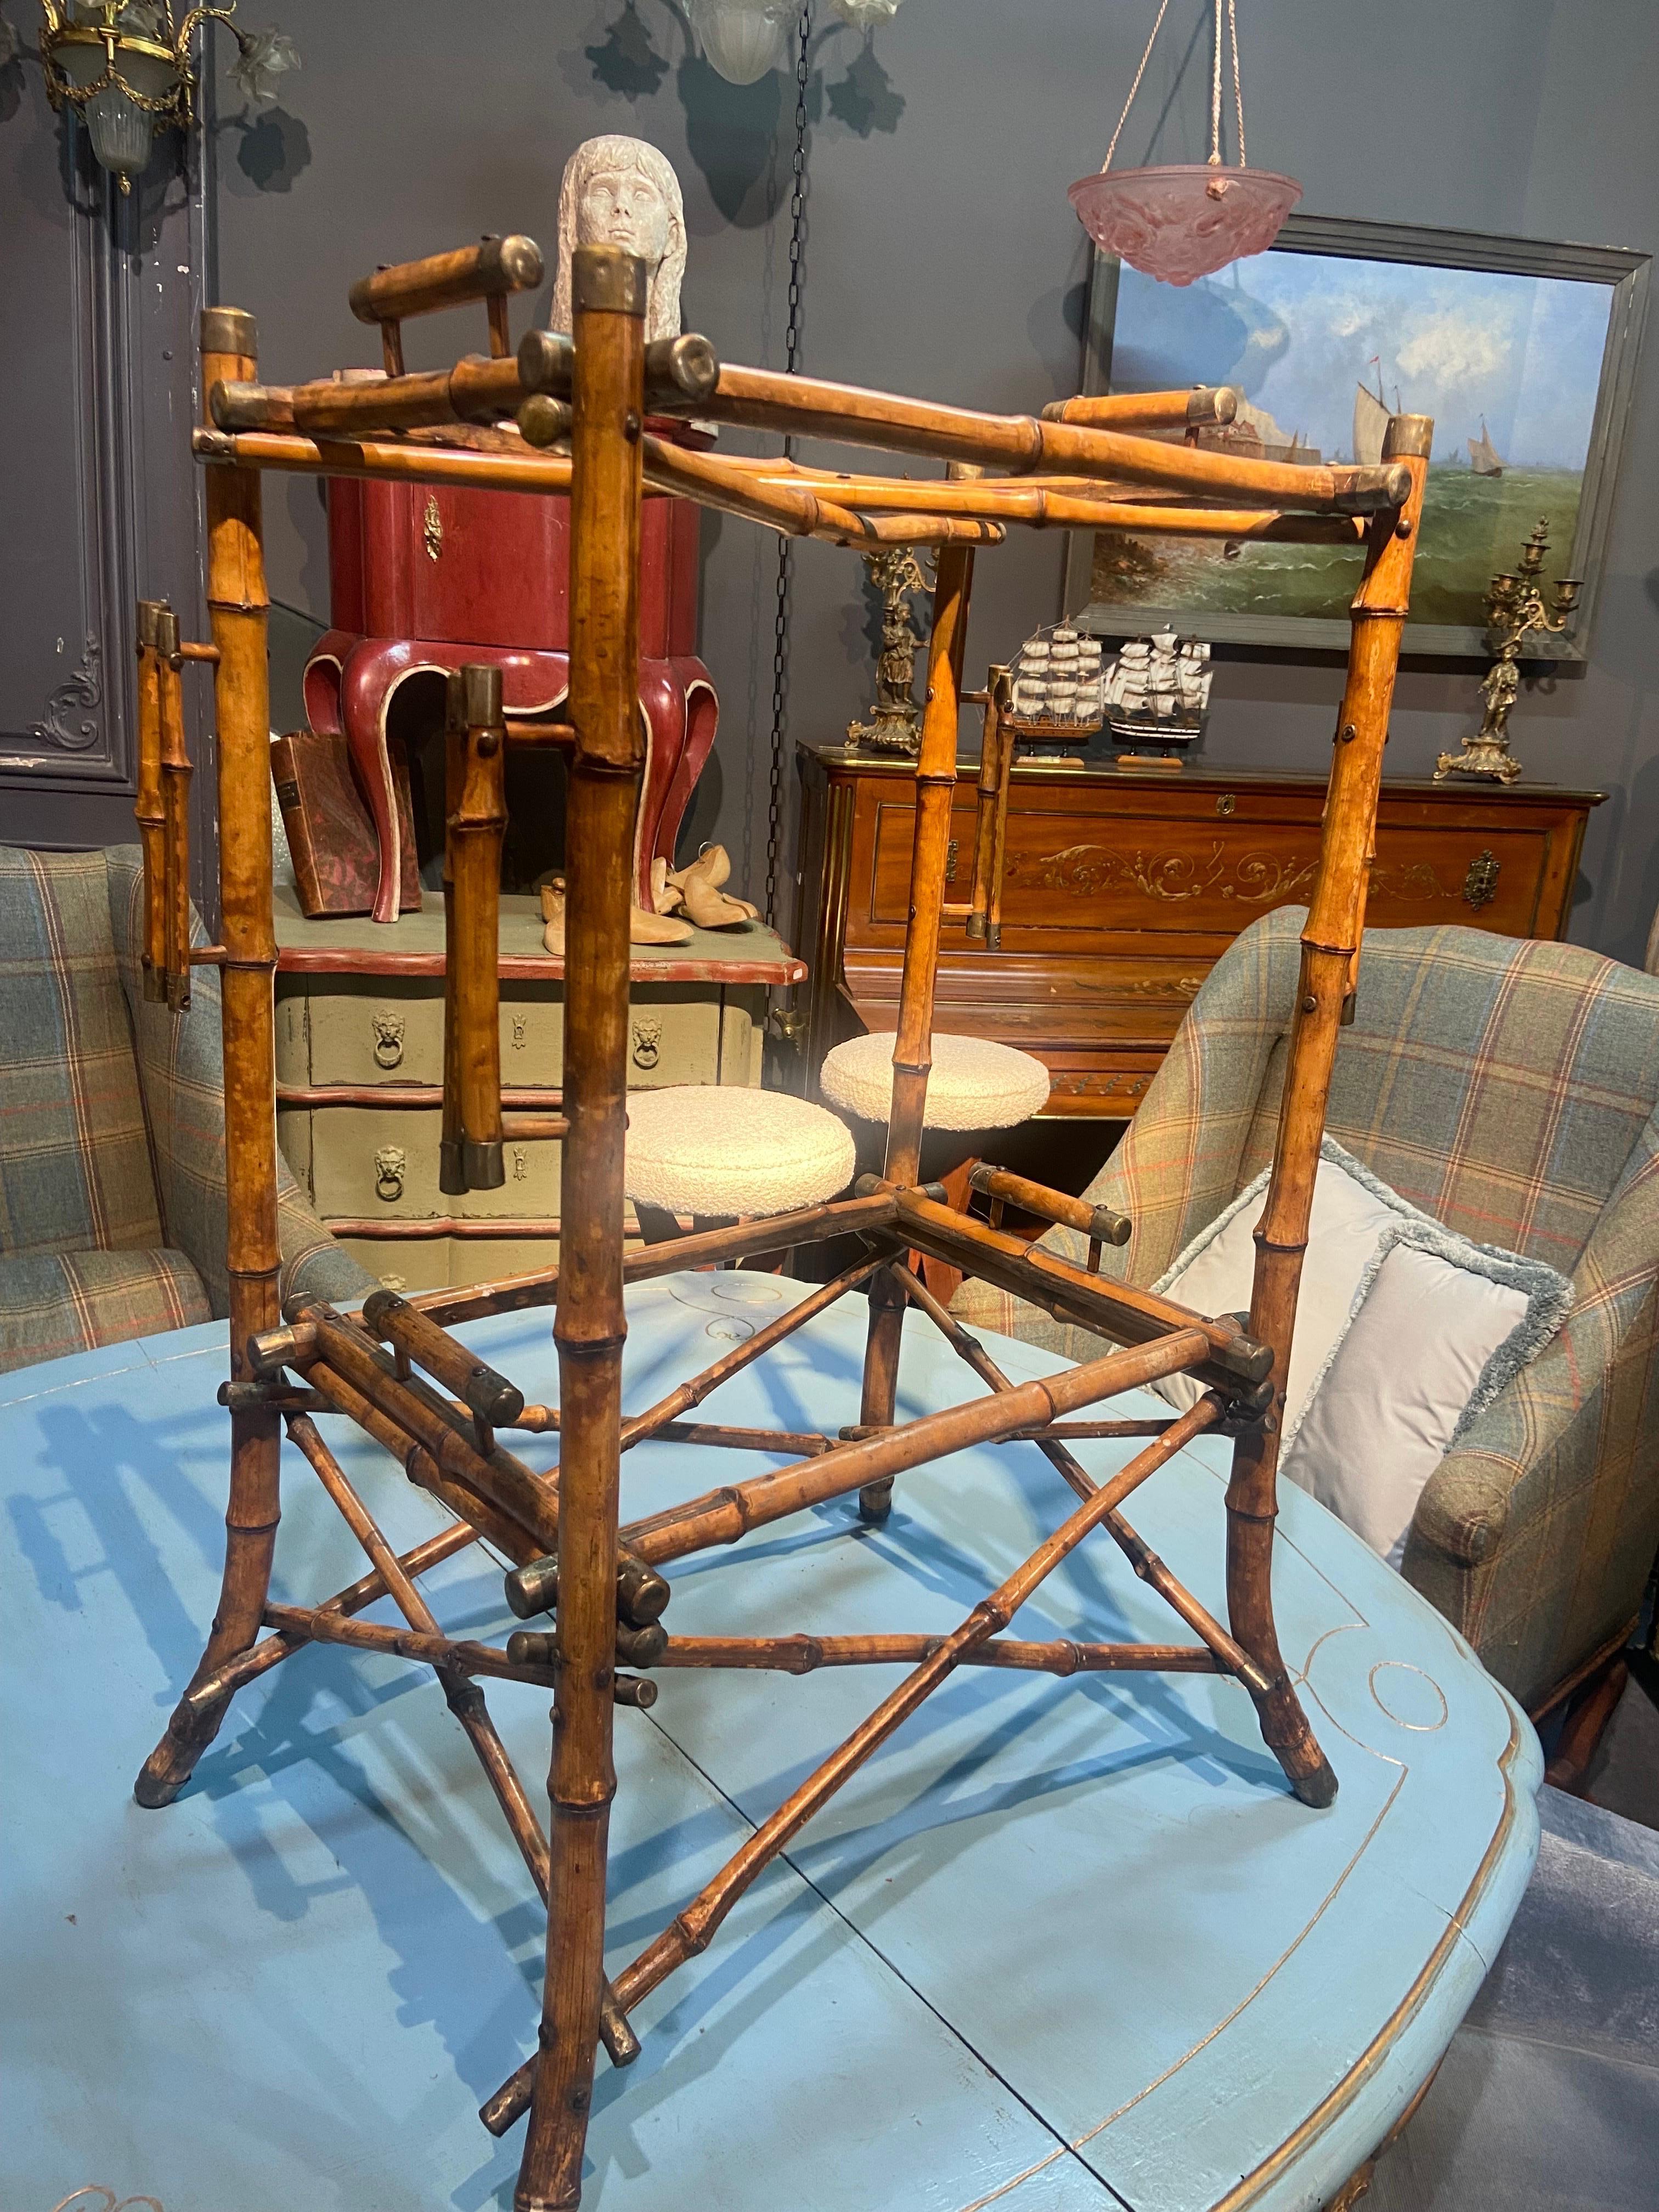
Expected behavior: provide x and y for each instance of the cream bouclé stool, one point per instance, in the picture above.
(720, 1153)
(973, 1085)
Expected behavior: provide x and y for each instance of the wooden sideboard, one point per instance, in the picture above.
(1124, 887)
(360, 1069)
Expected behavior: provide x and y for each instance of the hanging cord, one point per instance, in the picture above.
(1215, 91)
(1135, 86)
(786, 545)
(1215, 84)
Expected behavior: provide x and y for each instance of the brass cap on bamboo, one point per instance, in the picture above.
(149, 611)
(1214, 403)
(1408, 434)
(682, 369)
(166, 632)
(482, 1163)
(543, 420)
(547, 359)
(229, 330)
(605, 279)
(480, 695)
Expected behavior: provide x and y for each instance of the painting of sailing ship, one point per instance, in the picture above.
(1325, 347)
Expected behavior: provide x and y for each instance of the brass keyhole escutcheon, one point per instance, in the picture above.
(1226, 803)
(432, 529)
(950, 861)
(1480, 884)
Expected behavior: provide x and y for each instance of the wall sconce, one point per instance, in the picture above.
(744, 39)
(125, 65)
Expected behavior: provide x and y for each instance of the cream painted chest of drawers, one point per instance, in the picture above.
(360, 1064)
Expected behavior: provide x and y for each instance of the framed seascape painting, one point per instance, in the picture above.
(1524, 353)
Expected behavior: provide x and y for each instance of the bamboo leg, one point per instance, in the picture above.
(148, 808)
(936, 785)
(1329, 943)
(994, 752)
(608, 298)
(239, 606)
(474, 834)
(176, 775)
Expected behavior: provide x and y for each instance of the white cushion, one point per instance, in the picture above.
(717, 1148)
(974, 1084)
(1404, 1333)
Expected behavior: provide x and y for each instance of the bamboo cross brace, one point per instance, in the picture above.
(688, 1394)
(1145, 1563)
(724, 1516)
(258, 1658)
(465, 1699)
(691, 1930)
(743, 1240)
(803, 1654)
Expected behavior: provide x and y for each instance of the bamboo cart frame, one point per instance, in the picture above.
(407, 1382)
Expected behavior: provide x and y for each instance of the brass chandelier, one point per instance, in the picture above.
(126, 66)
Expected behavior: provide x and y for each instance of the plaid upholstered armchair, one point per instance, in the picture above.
(1509, 1090)
(111, 1126)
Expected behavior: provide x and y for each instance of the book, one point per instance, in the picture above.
(330, 835)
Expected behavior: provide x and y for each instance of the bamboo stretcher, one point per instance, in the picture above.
(574, 416)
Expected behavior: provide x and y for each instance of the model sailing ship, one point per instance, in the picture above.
(1156, 695)
(1055, 686)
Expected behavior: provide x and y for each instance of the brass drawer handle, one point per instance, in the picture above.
(647, 1042)
(388, 1039)
(390, 1162)
(1480, 884)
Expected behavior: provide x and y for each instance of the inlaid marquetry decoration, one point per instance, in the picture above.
(1261, 879)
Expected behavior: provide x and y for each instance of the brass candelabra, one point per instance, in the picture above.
(1515, 608)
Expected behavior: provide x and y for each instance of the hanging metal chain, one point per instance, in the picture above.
(785, 547)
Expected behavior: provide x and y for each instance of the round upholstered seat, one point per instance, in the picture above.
(974, 1084)
(714, 1150)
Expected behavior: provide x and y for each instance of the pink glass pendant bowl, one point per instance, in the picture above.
(1186, 220)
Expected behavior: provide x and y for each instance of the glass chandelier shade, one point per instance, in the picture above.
(1185, 220)
(745, 39)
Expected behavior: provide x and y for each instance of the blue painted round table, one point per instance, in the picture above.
(1064, 1946)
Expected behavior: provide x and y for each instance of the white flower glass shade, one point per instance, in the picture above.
(744, 39)
(865, 14)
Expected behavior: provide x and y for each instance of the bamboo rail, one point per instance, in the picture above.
(1081, 465)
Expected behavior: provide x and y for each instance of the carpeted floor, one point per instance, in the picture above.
(1624, 1775)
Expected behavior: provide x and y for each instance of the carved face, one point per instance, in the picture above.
(622, 207)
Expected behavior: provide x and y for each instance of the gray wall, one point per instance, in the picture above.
(942, 258)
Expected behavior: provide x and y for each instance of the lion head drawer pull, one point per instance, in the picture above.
(647, 1042)
(388, 1039)
(1480, 884)
(389, 1162)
